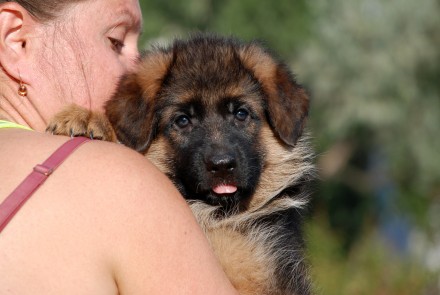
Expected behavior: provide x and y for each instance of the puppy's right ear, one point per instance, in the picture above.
(132, 108)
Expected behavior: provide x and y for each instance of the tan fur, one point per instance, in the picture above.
(151, 72)
(283, 166)
(77, 121)
(264, 67)
(235, 252)
(159, 154)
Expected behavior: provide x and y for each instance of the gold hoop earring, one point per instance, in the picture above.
(22, 90)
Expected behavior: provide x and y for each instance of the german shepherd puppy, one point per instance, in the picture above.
(224, 120)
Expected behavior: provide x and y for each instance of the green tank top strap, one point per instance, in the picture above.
(7, 124)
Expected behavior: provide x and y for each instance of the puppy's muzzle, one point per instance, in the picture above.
(221, 168)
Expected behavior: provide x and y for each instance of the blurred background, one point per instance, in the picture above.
(372, 68)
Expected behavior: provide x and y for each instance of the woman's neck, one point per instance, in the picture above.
(21, 111)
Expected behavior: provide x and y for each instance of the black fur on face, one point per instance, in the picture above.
(216, 155)
(212, 118)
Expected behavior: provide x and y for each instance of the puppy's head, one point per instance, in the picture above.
(197, 110)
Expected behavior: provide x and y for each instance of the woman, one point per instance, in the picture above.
(106, 221)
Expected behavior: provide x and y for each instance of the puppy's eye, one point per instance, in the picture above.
(182, 121)
(241, 114)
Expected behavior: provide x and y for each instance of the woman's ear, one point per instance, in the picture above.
(16, 25)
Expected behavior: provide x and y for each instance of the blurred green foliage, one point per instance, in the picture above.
(367, 270)
(282, 24)
(372, 68)
(375, 66)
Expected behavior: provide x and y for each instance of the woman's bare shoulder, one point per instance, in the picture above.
(118, 181)
(117, 204)
(100, 163)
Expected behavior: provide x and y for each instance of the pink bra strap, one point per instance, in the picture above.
(30, 184)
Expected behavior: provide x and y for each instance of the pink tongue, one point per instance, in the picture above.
(224, 189)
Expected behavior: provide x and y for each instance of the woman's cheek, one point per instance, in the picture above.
(105, 86)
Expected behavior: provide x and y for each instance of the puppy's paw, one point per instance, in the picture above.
(78, 121)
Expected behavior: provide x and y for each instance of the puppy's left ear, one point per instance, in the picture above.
(287, 101)
(131, 114)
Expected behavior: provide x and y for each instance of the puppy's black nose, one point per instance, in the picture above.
(221, 163)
